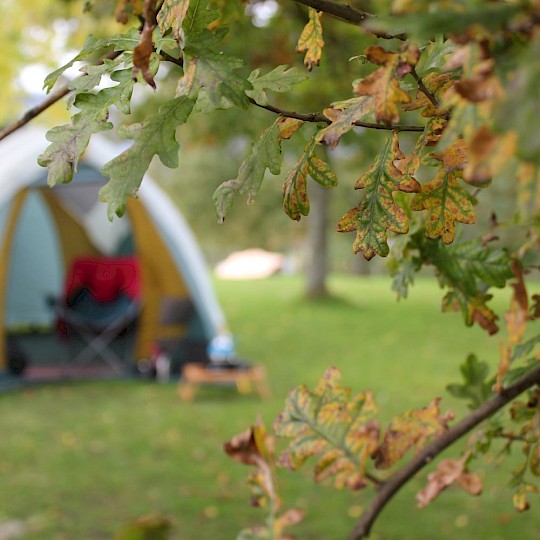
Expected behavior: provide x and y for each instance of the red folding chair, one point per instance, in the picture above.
(101, 301)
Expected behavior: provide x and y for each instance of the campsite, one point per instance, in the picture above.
(49, 238)
(269, 270)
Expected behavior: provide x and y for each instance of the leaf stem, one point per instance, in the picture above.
(319, 117)
(424, 89)
(402, 476)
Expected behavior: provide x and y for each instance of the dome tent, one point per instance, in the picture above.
(42, 230)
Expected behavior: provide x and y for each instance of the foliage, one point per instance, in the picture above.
(458, 80)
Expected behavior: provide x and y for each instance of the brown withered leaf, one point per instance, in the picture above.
(516, 323)
(481, 85)
(488, 154)
(449, 471)
(125, 8)
(256, 447)
(411, 430)
(521, 504)
(518, 313)
(481, 314)
(311, 40)
(288, 127)
(145, 48)
(383, 83)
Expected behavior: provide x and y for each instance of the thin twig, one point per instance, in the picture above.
(61, 92)
(424, 89)
(346, 13)
(319, 117)
(30, 114)
(403, 475)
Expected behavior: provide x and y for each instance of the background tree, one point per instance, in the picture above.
(451, 90)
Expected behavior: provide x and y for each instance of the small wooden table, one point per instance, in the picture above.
(246, 379)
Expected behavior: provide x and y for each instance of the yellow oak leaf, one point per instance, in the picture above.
(311, 40)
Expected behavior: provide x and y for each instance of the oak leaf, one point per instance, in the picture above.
(411, 430)
(333, 425)
(280, 79)
(142, 53)
(171, 15)
(265, 154)
(446, 202)
(295, 196)
(311, 40)
(156, 136)
(255, 447)
(383, 83)
(68, 143)
(378, 212)
(342, 116)
(449, 471)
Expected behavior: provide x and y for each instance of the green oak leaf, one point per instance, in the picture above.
(333, 425)
(378, 213)
(215, 74)
(475, 388)
(69, 141)
(468, 269)
(93, 46)
(295, 197)
(265, 154)
(280, 79)
(156, 136)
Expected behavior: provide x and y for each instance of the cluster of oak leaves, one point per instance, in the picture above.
(462, 141)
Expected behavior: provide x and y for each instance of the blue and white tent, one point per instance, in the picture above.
(42, 230)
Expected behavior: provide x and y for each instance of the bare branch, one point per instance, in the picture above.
(30, 114)
(403, 475)
(319, 117)
(346, 13)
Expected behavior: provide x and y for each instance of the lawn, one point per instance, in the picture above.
(77, 462)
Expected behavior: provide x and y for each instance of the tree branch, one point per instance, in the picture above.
(346, 13)
(61, 92)
(403, 475)
(319, 117)
(30, 114)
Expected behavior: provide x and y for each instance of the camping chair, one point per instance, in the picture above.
(100, 302)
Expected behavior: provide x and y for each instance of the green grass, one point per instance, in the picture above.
(78, 462)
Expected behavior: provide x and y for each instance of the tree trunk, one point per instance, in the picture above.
(317, 242)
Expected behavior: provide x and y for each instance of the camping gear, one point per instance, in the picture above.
(43, 230)
(101, 301)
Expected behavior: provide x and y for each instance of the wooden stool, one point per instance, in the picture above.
(245, 379)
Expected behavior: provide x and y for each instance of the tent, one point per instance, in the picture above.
(42, 230)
